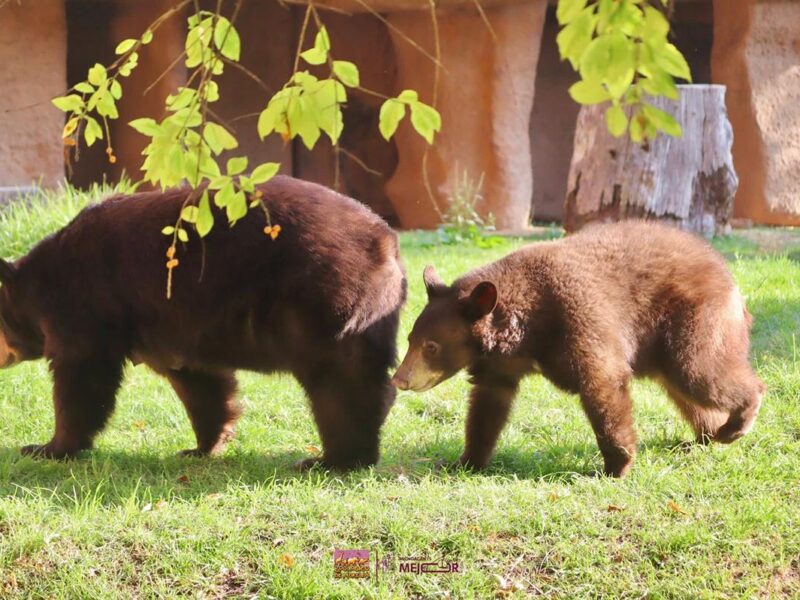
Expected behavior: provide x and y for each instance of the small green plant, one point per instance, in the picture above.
(462, 222)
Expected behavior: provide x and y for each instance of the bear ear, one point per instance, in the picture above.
(7, 271)
(481, 301)
(433, 283)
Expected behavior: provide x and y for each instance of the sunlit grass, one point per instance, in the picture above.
(133, 520)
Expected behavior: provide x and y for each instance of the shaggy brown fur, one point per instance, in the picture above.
(590, 312)
(322, 302)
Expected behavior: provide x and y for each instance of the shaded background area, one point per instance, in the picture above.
(506, 111)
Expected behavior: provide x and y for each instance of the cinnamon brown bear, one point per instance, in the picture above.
(321, 301)
(590, 312)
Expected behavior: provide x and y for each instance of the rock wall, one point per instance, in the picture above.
(32, 50)
(757, 55)
(485, 97)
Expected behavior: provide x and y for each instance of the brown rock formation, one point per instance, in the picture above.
(32, 50)
(485, 96)
(757, 55)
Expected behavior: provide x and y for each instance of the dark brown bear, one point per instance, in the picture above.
(321, 301)
(590, 312)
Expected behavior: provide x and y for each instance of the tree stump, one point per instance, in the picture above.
(688, 181)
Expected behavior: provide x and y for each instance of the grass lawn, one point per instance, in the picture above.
(131, 519)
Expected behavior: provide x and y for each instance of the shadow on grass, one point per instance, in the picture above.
(113, 478)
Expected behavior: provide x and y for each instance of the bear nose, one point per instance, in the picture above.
(399, 382)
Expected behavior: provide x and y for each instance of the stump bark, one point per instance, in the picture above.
(688, 181)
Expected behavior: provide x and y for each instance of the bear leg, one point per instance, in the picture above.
(209, 399)
(747, 393)
(720, 408)
(490, 405)
(83, 396)
(610, 411)
(349, 417)
(704, 420)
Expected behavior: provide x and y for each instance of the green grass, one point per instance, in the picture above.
(133, 520)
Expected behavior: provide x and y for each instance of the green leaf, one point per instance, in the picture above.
(211, 91)
(314, 56)
(129, 65)
(147, 37)
(227, 39)
(146, 126)
(236, 165)
(408, 96)
(236, 207)
(116, 90)
(218, 138)
(626, 19)
(223, 197)
(392, 112)
(106, 107)
(655, 24)
(347, 72)
(84, 87)
(573, 39)
(638, 124)
(324, 111)
(264, 172)
(97, 74)
(617, 120)
(182, 235)
(426, 120)
(246, 184)
(124, 46)
(189, 214)
(588, 92)
(92, 132)
(568, 10)
(669, 58)
(182, 99)
(610, 59)
(70, 103)
(70, 126)
(662, 120)
(168, 230)
(302, 118)
(322, 40)
(659, 83)
(205, 218)
(219, 182)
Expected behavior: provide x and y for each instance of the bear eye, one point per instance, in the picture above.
(430, 348)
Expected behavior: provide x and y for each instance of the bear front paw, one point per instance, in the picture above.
(50, 450)
(194, 452)
(349, 464)
(306, 464)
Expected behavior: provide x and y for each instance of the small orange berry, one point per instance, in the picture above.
(172, 263)
(268, 230)
(112, 159)
(109, 151)
(171, 252)
(259, 194)
(68, 141)
(275, 231)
